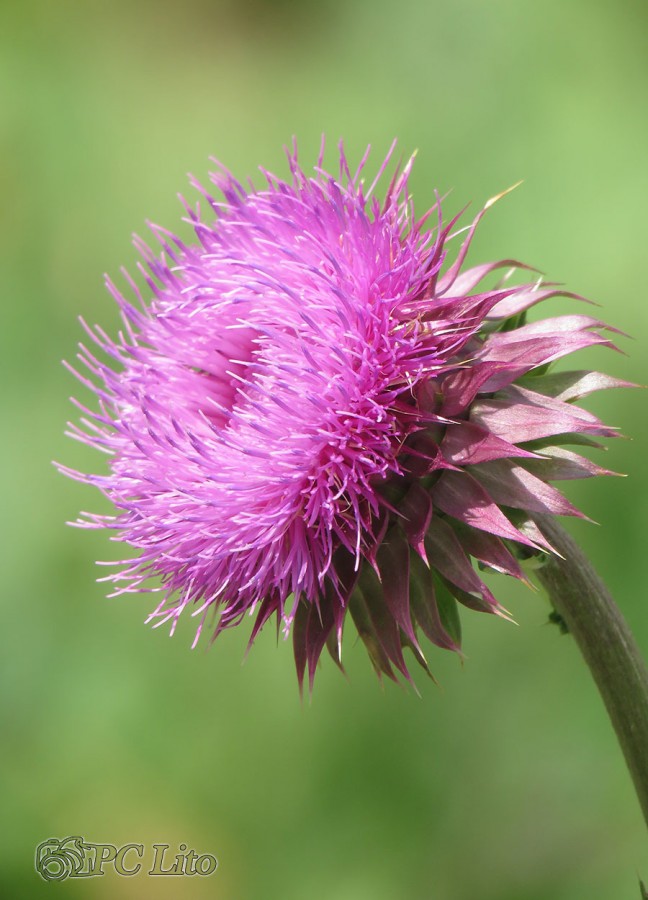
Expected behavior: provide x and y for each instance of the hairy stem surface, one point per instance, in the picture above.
(583, 602)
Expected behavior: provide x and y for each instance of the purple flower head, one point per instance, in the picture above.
(316, 413)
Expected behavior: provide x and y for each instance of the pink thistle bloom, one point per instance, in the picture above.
(316, 414)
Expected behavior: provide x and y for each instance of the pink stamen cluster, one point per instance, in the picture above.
(314, 414)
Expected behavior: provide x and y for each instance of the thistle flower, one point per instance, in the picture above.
(315, 414)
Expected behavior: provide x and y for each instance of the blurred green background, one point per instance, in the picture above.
(505, 781)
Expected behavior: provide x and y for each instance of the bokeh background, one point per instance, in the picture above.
(504, 782)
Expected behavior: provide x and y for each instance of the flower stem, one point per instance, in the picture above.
(584, 604)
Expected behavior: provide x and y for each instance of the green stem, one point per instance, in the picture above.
(592, 617)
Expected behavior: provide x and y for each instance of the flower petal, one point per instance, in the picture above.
(393, 564)
(568, 386)
(376, 625)
(435, 610)
(466, 443)
(518, 415)
(562, 464)
(527, 297)
(416, 509)
(459, 495)
(512, 485)
(447, 555)
(490, 550)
